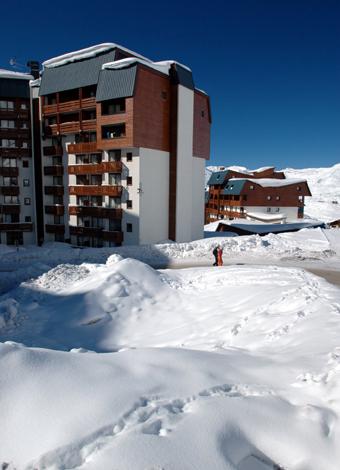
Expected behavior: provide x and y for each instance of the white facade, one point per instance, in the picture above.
(290, 213)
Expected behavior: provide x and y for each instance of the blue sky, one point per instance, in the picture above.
(271, 67)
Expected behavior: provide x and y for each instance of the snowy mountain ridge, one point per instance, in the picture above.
(324, 184)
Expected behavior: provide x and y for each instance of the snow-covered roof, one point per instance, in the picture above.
(242, 169)
(16, 75)
(272, 182)
(162, 66)
(266, 216)
(85, 54)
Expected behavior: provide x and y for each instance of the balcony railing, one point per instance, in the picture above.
(9, 171)
(10, 190)
(101, 212)
(55, 228)
(96, 168)
(57, 209)
(89, 125)
(15, 152)
(70, 127)
(67, 106)
(53, 151)
(10, 209)
(104, 190)
(54, 190)
(83, 147)
(54, 170)
(114, 236)
(17, 226)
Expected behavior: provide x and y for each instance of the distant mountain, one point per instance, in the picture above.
(324, 184)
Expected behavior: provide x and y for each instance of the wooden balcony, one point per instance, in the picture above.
(9, 171)
(69, 106)
(10, 209)
(16, 227)
(57, 209)
(10, 190)
(70, 127)
(83, 147)
(14, 114)
(54, 170)
(88, 103)
(54, 190)
(87, 190)
(89, 125)
(49, 109)
(15, 152)
(53, 151)
(102, 212)
(55, 228)
(15, 134)
(96, 168)
(116, 237)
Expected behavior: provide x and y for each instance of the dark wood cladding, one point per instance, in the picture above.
(98, 168)
(202, 122)
(57, 209)
(55, 228)
(23, 227)
(69, 106)
(9, 171)
(10, 190)
(116, 237)
(102, 212)
(54, 170)
(53, 151)
(10, 209)
(104, 190)
(15, 152)
(151, 110)
(120, 118)
(54, 190)
(22, 134)
(84, 147)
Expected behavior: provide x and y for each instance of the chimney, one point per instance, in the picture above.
(34, 66)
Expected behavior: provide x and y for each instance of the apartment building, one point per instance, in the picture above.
(17, 209)
(264, 195)
(124, 144)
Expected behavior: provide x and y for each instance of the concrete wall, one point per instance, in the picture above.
(197, 219)
(289, 212)
(154, 196)
(131, 216)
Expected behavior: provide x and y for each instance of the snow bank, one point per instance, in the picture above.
(225, 368)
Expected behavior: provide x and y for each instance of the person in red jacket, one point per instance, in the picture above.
(219, 256)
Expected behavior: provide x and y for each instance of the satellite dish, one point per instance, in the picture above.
(12, 62)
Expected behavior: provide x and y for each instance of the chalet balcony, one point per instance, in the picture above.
(82, 147)
(15, 152)
(54, 170)
(88, 190)
(88, 103)
(49, 109)
(98, 168)
(57, 209)
(54, 190)
(116, 237)
(15, 227)
(101, 212)
(53, 151)
(89, 125)
(10, 209)
(55, 228)
(10, 190)
(69, 106)
(15, 133)
(14, 114)
(72, 127)
(9, 171)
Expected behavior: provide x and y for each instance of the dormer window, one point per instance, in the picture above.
(251, 187)
(298, 188)
(269, 198)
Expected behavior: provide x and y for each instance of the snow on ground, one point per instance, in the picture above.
(29, 262)
(224, 368)
(324, 184)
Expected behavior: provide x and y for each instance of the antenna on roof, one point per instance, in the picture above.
(13, 62)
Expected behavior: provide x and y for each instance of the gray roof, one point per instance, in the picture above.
(116, 83)
(217, 177)
(14, 88)
(234, 187)
(75, 74)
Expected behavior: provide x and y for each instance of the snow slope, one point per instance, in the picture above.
(324, 184)
(222, 368)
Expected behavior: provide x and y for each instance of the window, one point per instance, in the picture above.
(57, 161)
(58, 219)
(24, 145)
(116, 106)
(7, 105)
(11, 200)
(57, 180)
(298, 188)
(269, 209)
(129, 204)
(164, 95)
(202, 113)
(114, 203)
(27, 201)
(25, 163)
(114, 179)
(8, 143)
(244, 197)
(7, 124)
(51, 120)
(24, 125)
(9, 162)
(11, 218)
(300, 198)
(277, 209)
(277, 198)
(129, 157)
(28, 218)
(115, 155)
(10, 181)
(129, 180)
(23, 106)
(269, 198)
(115, 131)
(129, 228)
(59, 237)
(58, 199)
(14, 238)
(251, 187)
